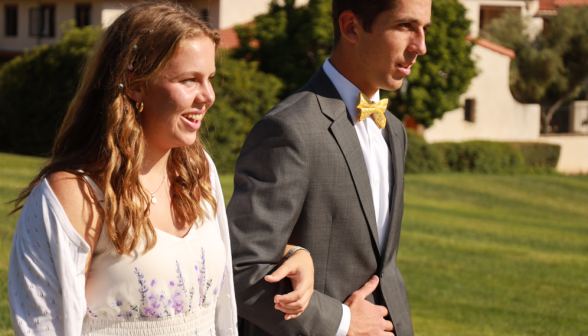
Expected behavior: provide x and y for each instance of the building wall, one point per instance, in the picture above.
(498, 116)
(528, 8)
(573, 158)
(235, 12)
(579, 120)
(64, 11)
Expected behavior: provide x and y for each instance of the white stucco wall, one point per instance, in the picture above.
(580, 117)
(498, 116)
(573, 158)
(528, 9)
(234, 12)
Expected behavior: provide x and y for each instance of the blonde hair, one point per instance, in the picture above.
(101, 135)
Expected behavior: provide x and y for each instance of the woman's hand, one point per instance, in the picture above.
(300, 269)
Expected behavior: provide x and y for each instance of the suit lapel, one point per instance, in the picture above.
(344, 133)
(396, 154)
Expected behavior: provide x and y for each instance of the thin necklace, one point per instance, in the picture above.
(153, 199)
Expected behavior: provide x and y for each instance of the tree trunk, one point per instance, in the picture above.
(549, 115)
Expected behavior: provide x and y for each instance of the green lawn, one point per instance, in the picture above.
(481, 254)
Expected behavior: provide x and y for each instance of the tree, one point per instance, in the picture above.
(289, 42)
(552, 68)
(243, 96)
(36, 88)
(444, 73)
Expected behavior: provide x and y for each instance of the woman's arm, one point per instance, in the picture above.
(300, 269)
(48, 258)
(83, 212)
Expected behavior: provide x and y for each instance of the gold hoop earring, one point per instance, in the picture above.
(139, 107)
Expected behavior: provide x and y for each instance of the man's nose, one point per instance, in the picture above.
(417, 44)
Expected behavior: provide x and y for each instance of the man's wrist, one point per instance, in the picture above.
(345, 321)
(294, 250)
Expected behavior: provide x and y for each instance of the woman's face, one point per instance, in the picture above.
(177, 100)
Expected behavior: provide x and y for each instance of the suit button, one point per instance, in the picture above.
(230, 330)
(228, 296)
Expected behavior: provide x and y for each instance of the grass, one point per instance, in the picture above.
(481, 254)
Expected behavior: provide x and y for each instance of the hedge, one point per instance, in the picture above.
(539, 156)
(477, 156)
(481, 157)
(36, 89)
(422, 157)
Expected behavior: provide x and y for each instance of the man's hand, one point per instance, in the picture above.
(367, 318)
(300, 269)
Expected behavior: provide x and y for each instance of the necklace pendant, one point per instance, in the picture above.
(153, 199)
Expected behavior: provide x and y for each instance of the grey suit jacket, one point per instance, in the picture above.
(301, 179)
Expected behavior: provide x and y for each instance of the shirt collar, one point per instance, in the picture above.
(349, 92)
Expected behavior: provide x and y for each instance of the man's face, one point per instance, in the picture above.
(396, 39)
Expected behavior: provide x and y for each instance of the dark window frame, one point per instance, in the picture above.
(86, 10)
(469, 110)
(491, 12)
(45, 19)
(205, 15)
(11, 22)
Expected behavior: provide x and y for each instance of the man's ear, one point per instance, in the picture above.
(349, 23)
(136, 92)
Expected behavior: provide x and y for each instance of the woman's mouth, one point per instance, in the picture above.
(192, 120)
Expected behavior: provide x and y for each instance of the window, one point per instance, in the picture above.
(42, 21)
(489, 13)
(11, 19)
(470, 110)
(83, 15)
(204, 15)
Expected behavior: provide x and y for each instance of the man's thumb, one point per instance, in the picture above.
(278, 274)
(368, 288)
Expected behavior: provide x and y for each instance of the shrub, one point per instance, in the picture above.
(36, 88)
(539, 156)
(482, 156)
(421, 157)
(243, 96)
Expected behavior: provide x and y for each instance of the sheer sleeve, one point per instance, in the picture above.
(226, 309)
(46, 275)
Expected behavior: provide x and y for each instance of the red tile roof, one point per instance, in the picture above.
(553, 4)
(493, 46)
(229, 39)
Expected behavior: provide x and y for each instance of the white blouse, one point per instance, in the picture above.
(46, 277)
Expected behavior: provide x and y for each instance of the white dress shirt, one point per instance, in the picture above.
(377, 160)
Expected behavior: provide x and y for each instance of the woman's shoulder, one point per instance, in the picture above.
(75, 197)
(70, 189)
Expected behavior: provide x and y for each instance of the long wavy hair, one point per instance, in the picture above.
(101, 135)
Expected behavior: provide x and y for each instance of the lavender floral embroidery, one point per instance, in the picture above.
(178, 305)
(142, 288)
(151, 303)
(181, 283)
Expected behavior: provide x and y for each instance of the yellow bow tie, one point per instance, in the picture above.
(376, 110)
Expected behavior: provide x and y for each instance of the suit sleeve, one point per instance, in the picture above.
(271, 181)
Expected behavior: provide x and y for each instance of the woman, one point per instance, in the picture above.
(124, 231)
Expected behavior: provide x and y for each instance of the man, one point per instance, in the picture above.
(321, 173)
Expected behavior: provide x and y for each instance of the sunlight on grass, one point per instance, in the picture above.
(482, 255)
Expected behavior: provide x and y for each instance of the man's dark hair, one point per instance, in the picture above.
(366, 10)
